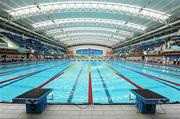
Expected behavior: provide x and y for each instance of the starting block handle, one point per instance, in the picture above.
(131, 97)
(52, 97)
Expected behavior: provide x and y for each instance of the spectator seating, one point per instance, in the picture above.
(34, 44)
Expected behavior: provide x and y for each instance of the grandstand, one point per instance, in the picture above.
(115, 59)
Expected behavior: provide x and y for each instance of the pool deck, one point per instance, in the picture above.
(16, 111)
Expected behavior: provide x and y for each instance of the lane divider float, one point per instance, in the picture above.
(74, 65)
(18, 78)
(154, 77)
(90, 95)
(176, 75)
(54, 77)
(18, 70)
(163, 81)
(125, 78)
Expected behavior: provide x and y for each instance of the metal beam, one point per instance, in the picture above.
(23, 30)
(90, 44)
(153, 32)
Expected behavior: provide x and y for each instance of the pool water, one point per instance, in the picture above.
(102, 82)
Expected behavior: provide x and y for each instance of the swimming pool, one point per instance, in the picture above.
(83, 82)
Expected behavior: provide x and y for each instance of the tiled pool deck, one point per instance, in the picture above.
(15, 111)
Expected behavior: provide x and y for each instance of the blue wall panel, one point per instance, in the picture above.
(92, 52)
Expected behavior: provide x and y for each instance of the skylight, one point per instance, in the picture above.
(116, 23)
(95, 6)
(88, 29)
(91, 34)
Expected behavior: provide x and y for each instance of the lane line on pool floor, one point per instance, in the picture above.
(23, 76)
(90, 93)
(153, 77)
(54, 77)
(125, 78)
(74, 86)
(104, 86)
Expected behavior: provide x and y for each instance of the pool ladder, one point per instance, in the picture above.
(131, 97)
(52, 97)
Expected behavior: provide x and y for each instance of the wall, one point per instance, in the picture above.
(74, 48)
(148, 58)
(91, 52)
(134, 58)
(10, 43)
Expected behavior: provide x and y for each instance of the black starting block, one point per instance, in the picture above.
(35, 100)
(146, 100)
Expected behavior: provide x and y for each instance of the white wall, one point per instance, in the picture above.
(10, 43)
(2, 30)
(74, 48)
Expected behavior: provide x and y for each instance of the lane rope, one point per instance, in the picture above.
(54, 77)
(125, 78)
(90, 95)
(154, 78)
(176, 75)
(23, 76)
(151, 76)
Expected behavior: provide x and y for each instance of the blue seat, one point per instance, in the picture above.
(34, 44)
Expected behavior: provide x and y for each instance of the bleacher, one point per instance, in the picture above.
(176, 46)
(34, 44)
(173, 57)
(1, 41)
(150, 46)
(16, 39)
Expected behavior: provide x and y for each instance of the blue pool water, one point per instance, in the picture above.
(72, 86)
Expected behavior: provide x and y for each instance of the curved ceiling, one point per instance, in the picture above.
(101, 22)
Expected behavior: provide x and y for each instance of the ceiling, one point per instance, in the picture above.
(100, 22)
